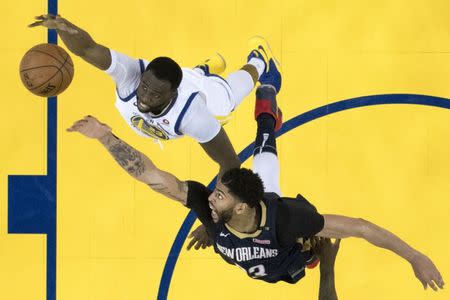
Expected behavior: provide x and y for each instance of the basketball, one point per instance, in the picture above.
(46, 70)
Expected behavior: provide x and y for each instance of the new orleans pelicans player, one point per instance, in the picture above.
(251, 224)
(160, 100)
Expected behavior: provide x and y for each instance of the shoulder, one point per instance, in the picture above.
(298, 203)
(122, 62)
(126, 72)
(196, 191)
(297, 217)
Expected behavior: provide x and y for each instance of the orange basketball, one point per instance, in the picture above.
(46, 70)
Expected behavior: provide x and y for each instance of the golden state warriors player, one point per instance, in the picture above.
(251, 224)
(160, 100)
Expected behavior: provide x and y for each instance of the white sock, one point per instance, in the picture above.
(258, 63)
(267, 166)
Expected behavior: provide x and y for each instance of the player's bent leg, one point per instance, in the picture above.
(261, 66)
(219, 96)
(225, 95)
(241, 84)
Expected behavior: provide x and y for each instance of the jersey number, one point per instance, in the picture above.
(257, 271)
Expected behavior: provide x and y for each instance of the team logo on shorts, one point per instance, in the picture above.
(151, 130)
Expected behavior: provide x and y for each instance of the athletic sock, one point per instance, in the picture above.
(265, 135)
(259, 64)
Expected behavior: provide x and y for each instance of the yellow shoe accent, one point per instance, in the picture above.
(261, 45)
(214, 65)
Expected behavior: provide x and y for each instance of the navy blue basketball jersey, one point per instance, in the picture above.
(259, 253)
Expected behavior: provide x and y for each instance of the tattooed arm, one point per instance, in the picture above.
(132, 161)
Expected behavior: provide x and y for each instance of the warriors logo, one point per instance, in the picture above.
(151, 130)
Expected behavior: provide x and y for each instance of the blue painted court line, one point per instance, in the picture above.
(32, 198)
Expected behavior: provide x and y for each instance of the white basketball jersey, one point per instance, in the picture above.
(188, 111)
(164, 126)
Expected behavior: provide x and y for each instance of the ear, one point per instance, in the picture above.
(240, 208)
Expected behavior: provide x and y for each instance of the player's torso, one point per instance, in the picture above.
(165, 126)
(259, 254)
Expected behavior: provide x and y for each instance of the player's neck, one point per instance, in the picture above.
(248, 222)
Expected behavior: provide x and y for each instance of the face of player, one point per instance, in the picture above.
(222, 204)
(153, 94)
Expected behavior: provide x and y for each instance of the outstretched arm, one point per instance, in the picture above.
(327, 251)
(340, 227)
(77, 40)
(132, 161)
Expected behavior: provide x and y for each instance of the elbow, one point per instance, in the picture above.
(77, 51)
(364, 227)
(83, 50)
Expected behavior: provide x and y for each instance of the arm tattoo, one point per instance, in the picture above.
(128, 158)
(137, 164)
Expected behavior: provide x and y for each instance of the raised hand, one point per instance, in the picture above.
(54, 22)
(426, 272)
(90, 127)
(326, 250)
(199, 237)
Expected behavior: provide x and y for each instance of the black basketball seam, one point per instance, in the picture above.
(68, 73)
(62, 52)
(62, 63)
(62, 79)
(59, 70)
(65, 60)
(46, 80)
(38, 68)
(62, 76)
(40, 51)
(65, 68)
(48, 54)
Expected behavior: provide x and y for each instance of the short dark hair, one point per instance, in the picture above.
(244, 184)
(165, 68)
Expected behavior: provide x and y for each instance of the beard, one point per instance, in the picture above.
(224, 216)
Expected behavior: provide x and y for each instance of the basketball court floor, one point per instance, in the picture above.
(383, 157)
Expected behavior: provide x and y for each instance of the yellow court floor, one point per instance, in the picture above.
(388, 163)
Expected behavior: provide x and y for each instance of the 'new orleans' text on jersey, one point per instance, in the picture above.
(259, 254)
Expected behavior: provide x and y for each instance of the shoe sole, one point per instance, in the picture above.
(223, 62)
(267, 46)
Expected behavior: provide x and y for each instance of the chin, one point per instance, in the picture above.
(143, 111)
